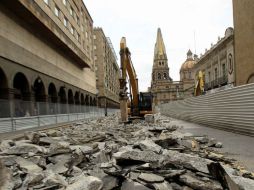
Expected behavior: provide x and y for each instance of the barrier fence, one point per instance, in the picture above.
(19, 115)
(231, 109)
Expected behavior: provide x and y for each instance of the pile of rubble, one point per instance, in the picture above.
(103, 154)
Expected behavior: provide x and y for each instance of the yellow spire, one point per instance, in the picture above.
(159, 46)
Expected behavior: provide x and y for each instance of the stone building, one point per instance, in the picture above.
(244, 41)
(107, 70)
(187, 75)
(46, 52)
(163, 88)
(217, 64)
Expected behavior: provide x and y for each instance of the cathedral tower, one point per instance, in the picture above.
(160, 70)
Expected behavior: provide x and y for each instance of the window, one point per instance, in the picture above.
(165, 76)
(216, 73)
(46, 1)
(224, 70)
(71, 11)
(78, 21)
(65, 22)
(65, 2)
(209, 76)
(230, 64)
(189, 75)
(57, 11)
(78, 37)
(72, 30)
(159, 76)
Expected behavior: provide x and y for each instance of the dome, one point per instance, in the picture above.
(187, 65)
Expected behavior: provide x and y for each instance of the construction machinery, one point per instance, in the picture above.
(137, 104)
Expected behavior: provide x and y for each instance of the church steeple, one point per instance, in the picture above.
(160, 63)
(159, 50)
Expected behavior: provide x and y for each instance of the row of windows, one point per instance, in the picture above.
(57, 12)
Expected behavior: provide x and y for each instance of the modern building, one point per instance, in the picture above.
(244, 41)
(217, 64)
(163, 88)
(46, 53)
(107, 70)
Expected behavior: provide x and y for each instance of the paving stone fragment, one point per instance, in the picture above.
(150, 178)
(58, 168)
(6, 144)
(202, 140)
(9, 160)
(33, 137)
(25, 148)
(150, 145)
(195, 183)
(110, 182)
(131, 185)
(229, 178)
(28, 166)
(59, 148)
(192, 162)
(86, 183)
(162, 186)
(219, 145)
(128, 157)
(54, 180)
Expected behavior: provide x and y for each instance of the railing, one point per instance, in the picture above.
(19, 115)
(231, 109)
(216, 83)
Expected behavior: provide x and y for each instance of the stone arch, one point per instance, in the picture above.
(77, 98)
(39, 90)
(70, 97)
(21, 87)
(3, 85)
(250, 79)
(21, 95)
(94, 102)
(91, 101)
(62, 95)
(52, 93)
(63, 100)
(87, 100)
(82, 98)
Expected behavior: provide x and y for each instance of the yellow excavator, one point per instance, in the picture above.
(137, 104)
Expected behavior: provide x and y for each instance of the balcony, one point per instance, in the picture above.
(216, 83)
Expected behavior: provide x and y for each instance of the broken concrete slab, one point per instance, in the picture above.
(86, 183)
(129, 184)
(150, 178)
(192, 162)
(28, 166)
(195, 183)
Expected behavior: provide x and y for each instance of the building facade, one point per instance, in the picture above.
(107, 70)
(244, 41)
(217, 64)
(163, 88)
(46, 52)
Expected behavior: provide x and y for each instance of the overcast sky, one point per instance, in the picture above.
(138, 21)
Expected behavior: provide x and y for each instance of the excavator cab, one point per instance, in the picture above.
(145, 103)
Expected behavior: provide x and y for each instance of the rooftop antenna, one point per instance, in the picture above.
(195, 42)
